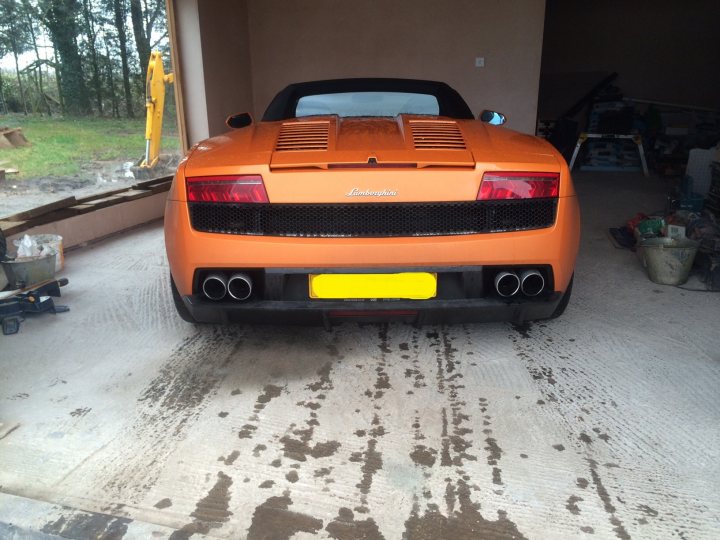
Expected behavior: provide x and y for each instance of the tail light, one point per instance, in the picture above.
(518, 185)
(226, 189)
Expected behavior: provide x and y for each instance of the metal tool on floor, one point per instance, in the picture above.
(14, 305)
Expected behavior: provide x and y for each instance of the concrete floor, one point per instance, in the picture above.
(121, 421)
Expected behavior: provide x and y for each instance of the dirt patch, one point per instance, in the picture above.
(273, 519)
(300, 449)
(324, 383)
(84, 525)
(602, 492)
(213, 508)
(270, 392)
(571, 504)
(292, 476)
(466, 523)
(231, 458)
(344, 527)
(372, 463)
(423, 455)
(80, 412)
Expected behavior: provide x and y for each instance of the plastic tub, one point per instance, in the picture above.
(669, 260)
(26, 271)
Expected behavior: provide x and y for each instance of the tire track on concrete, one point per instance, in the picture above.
(166, 409)
(145, 309)
(462, 518)
(273, 518)
(592, 413)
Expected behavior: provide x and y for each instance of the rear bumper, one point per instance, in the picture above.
(327, 312)
(189, 250)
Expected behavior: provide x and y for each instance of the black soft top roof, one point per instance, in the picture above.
(283, 106)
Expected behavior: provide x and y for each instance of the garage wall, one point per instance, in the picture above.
(663, 50)
(227, 70)
(300, 40)
(251, 49)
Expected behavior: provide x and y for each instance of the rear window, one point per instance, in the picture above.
(348, 104)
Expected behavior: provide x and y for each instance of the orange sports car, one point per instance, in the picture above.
(371, 199)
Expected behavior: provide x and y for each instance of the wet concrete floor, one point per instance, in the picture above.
(118, 420)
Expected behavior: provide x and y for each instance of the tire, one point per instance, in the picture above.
(560, 309)
(179, 304)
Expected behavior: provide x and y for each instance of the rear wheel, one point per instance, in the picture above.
(179, 304)
(560, 309)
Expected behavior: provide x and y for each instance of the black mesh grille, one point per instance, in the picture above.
(373, 220)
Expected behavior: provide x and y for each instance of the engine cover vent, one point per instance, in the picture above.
(303, 136)
(436, 135)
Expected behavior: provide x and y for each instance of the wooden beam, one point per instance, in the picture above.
(40, 210)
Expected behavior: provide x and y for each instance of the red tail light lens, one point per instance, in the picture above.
(226, 189)
(518, 185)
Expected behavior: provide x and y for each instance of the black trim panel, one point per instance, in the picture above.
(373, 220)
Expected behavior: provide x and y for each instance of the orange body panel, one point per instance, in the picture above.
(327, 175)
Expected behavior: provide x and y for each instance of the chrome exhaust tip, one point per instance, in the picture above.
(239, 286)
(507, 283)
(531, 282)
(214, 286)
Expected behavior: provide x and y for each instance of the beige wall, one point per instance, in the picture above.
(251, 49)
(663, 50)
(300, 40)
(226, 60)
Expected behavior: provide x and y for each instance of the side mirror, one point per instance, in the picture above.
(493, 118)
(239, 120)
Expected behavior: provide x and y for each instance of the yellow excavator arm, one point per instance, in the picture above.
(154, 105)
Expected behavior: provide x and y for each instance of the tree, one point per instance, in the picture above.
(59, 17)
(14, 38)
(91, 33)
(142, 40)
(120, 18)
(31, 17)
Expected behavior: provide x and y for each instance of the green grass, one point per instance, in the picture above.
(64, 146)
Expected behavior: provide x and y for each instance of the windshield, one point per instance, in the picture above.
(367, 104)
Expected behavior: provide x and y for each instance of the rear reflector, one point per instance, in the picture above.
(518, 185)
(226, 189)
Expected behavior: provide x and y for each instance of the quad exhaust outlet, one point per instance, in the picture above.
(530, 282)
(217, 286)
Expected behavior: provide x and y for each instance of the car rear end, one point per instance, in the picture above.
(281, 233)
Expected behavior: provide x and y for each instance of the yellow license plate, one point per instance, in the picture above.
(403, 285)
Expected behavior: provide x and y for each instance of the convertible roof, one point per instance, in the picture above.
(283, 106)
